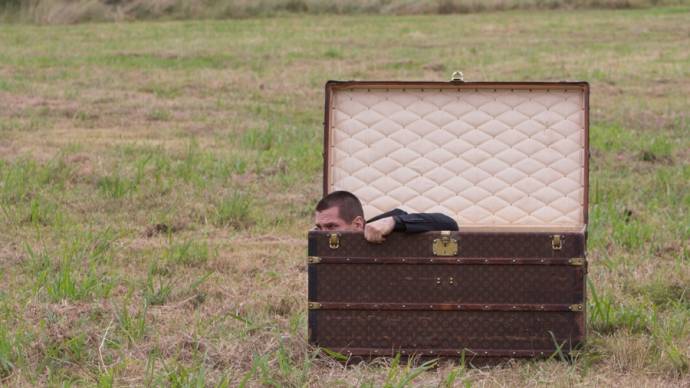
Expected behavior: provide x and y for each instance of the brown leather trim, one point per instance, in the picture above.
(585, 206)
(444, 260)
(581, 320)
(469, 353)
(457, 85)
(326, 135)
(444, 306)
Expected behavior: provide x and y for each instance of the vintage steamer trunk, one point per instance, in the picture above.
(509, 162)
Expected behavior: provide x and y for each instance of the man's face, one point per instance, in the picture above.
(329, 220)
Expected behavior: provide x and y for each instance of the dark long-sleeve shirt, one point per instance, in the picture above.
(418, 222)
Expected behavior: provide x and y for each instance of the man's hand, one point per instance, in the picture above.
(376, 231)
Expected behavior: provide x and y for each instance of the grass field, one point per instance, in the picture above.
(157, 181)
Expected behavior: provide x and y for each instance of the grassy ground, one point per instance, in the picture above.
(157, 181)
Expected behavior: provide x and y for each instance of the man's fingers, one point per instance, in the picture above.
(367, 233)
(373, 234)
(372, 237)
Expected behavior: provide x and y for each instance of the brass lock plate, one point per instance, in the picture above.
(445, 246)
(334, 240)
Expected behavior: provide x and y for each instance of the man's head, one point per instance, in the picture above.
(339, 210)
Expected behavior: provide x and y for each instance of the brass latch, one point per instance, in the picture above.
(557, 242)
(575, 307)
(457, 76)
(334, 240)
(314, 306)
(577, 261)
(445, 246)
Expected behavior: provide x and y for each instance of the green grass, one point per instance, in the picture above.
(7, 355)
(157, 288)
(157, 181)
(234, 210)
(188, 253)
(131, 324)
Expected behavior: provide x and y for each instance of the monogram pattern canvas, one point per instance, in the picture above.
(445, 329)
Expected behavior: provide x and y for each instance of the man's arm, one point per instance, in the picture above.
(397, 220)
(423, 222)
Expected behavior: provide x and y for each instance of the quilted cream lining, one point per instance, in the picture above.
(490, 158)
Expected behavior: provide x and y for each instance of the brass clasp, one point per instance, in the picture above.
(334, 240)
(445, 246)
(556, 242)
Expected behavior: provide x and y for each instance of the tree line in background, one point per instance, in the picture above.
(77, 11)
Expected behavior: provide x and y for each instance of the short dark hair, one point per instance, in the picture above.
(347, 203)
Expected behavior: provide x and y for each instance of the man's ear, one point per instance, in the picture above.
(358, 223)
